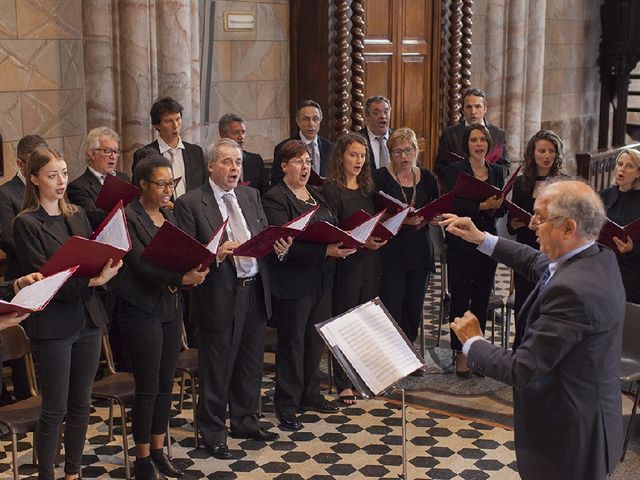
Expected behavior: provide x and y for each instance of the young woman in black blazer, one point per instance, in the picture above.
(301, 289)
(65, 336)
(349, 189)
(472, 273)
(149, 310)
(542, 160)
(407, 259)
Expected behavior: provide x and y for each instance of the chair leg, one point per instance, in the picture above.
(633, 414)
(493, 327)
(125, 441)
(168, 440)
(330, 371)
(182, 378)
(110, 436)
(14, 454)
(194, 402)
(422, 344)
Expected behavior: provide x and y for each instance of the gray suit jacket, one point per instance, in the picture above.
(212, 304)
(565, 373)
(11, 200)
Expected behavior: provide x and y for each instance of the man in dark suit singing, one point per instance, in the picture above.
(101, 148)
(565, 374)
(186, 158)
(308, 118)
(451, 143)
(232, 305)
(234, 127)
(377, 111)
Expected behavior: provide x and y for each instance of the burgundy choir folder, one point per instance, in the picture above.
(115, 190)
(325, 233)
(315, 179)
(471, 188)
(495, 153)
(384, 230)
(515, 212)
(110, 240)
(245, 184)
(36, 296)
(451, 157)
(612, 229)
(261, 245)
(440, 205)
(175, 250)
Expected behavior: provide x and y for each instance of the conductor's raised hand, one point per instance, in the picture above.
(466, 326)
(226, 249)
(109, 271)
(195, 276)
(462, 227)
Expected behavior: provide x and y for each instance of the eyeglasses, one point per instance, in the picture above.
(396, 152)
(108, 151)
(536, 221)
(299, 162)
(162, 185)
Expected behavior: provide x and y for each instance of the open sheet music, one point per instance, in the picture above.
(36, 296)
(114, 231)
(370, 347)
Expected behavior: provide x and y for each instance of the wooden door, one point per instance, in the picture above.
(401, 46)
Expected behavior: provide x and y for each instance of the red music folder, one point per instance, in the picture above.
(384, 230)
(176, 250)
(110, 240)
(495, 153)
(262, 244)
(326, 234)
(518, 213)
(440, 205)
(115, 190)
(36, 296)
(451, 157)
(469, 187)
(245, 184)
(315, 179)
(612, 229)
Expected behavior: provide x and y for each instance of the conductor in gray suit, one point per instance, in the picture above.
(565, 374)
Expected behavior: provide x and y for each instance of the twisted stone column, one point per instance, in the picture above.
(341, 67)
(357, 65)
(455, 58)
(465, 51)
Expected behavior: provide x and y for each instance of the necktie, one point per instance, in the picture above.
(239, 233)
(315, 157)
(383, 153)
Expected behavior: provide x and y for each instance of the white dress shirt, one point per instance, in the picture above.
(174, 155)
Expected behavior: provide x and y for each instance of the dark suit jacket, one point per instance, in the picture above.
(195, 166)
(372, 159)
(11, 200)
(306, 267)
(565, 374)
(84, 190)
(36, 237)
(452, 140)
(212, 304)
(324, 146)
(140, 283)
(254, 171)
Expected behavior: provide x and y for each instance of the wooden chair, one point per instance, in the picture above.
(630, 361)
(187, 365)
(115, 387)
(440, 253)
(22, 416)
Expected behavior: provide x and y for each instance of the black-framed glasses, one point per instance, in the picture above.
(396, 152)
(109, 151)
(162, 185)
(536, 221)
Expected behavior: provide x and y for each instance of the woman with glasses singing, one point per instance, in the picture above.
(472, 273)
(65, 336)
(542, 160)
(407, 259)
(301, 286)
(101, 148)
(150, 314)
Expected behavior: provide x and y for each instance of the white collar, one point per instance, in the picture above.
(164, 147)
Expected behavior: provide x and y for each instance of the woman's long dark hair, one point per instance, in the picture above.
(529, 163)
(336, 168)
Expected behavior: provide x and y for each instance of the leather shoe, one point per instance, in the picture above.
(259, 435)
(323, 406)
(220, 451)
(145, 469)
(289, 421)
(165, 465)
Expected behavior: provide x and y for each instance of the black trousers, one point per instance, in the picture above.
(402, 292)
(299, 349)
(472, 276)
(66, 369)
(153, 349)
(230, 368)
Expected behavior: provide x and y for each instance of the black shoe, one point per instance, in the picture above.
(259, 435)
(220, 451)
(289, 421)
(323, 406)
(165, 465)
(145, 469)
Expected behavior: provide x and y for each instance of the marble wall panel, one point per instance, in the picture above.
(49, 19)
(53, 113)
(71, 64)
(264, 135)
(236, 97)
(8, 19)
(29, 65)
(11, 115)
(76, 163)
(222, 53)
(10, 167)
(273, 99)
(255, 61)
(273, 22)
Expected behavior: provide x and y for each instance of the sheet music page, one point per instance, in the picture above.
(302, 222)
(373, 346)
(115, 232)
(363, 231)
(38, 294)
(394, 223)
(213, 245)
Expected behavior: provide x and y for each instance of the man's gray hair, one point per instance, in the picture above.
(576, 200)
(92, 140)
(225, 121)
(213, 150)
